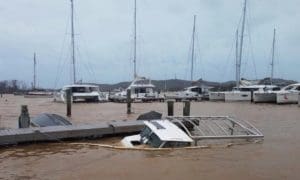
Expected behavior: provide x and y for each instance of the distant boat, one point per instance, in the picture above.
(242, 92)
(193, 92)
(142, 90)
(82, 92)
(37, 92)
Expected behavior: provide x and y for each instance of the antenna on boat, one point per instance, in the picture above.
(241, 44)
(135, 39)
(73, 42)
(34, 71)
(193, 48)
(273, 56)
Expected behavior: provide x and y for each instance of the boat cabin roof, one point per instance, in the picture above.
(80, 85)
(167, 131)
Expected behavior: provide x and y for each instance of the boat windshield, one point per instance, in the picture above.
(154, 141)
(145, 132)
(84, 89)
(175, 144)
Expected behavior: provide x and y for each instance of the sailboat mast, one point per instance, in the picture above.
(273, 56)
(237, 59)
(135, 39)
(73, 42)
(34, 71)
(193, 49)
(241, 42)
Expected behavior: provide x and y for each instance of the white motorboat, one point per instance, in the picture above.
(288, 94)
(159, 134)
(180, 132)
(81, 93)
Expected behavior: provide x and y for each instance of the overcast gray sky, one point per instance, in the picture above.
(105, 47)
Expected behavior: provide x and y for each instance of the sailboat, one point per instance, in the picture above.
(80, 92)
(192, 92)
(268, 94)
(35, 91)
(141, 88)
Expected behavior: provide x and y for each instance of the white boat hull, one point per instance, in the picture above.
(238, 96)
(287, 98)
(264, 97)
(216, 96)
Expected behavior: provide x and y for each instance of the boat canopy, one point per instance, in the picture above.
(167, 131)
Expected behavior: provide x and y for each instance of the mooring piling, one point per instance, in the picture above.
(128, 101)
(299, 100)
(24, 119)
(186, 108)
(252, 96)
(69, 102)
(170, 104)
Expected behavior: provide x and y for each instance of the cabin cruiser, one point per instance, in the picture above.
(179, 132)
(141, 90)
(81, 92)
(159, 134)
(268, 94)
(288, 94)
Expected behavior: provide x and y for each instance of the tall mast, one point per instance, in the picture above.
(273, 56)
(73, 42)
(237, 78)
(135, 39)
(193, 49)
(241, 42)
(34, 71)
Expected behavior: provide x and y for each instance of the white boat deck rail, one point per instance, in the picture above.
(216, 128)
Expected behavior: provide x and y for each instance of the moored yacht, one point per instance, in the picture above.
(81, 93)
(141, 89)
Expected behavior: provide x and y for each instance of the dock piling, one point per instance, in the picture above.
(24, 119)
(299, 100)
(252, 96)
(170, 104)
(186, 108)
(128, 101)
(69, 102)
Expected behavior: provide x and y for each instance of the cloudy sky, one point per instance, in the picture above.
(104, 33)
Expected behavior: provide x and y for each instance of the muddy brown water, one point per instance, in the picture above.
(278, 157)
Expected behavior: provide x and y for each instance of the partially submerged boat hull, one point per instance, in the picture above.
(264, 97)
(238, 96)
(287, 98)
(216, 96)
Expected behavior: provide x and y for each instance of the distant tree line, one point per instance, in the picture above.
(12, 86)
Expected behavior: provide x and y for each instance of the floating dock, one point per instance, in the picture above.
(79, 131)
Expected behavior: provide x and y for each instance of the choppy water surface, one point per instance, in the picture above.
(276, 158)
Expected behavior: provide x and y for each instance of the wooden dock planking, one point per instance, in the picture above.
(78, 131)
